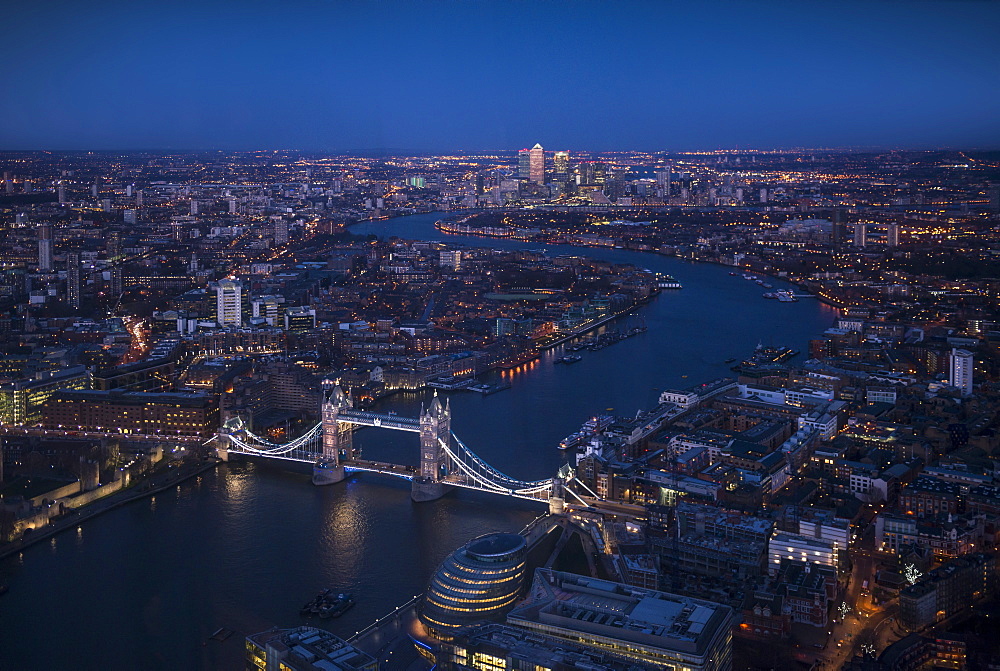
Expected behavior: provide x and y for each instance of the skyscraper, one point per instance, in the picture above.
(961, 371)
(524, 165)
(44, 248)
(561, 164)
(536, 164)
(73, 280)
(229, 303)
(280, 231)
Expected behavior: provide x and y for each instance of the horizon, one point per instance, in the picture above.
(348, 77)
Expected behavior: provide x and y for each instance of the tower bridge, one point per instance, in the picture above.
(445, 461)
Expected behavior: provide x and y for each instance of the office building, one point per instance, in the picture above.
(44, 248)
(961, 367)
(132, 412)
(21, 401)
(947, 590)
(536, 170)
(73, 280)
(228, 303)
(300, 319)
(642, 627)
(560, 164)
(524, 165)
(304, 649)
(477, 583)
(789, 546)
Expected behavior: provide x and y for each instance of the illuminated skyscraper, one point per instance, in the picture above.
(229, 303)
(561, 164)
(536, 164)
(44, 248)
(524, 165)
(73, 280)
(961, 371)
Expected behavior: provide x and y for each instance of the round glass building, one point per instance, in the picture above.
(478, 582)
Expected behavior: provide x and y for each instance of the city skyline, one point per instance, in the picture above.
(445, 76)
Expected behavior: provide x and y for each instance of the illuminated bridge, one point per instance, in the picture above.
(445, 461)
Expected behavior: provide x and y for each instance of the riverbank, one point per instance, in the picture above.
(156, 483)
(583, 330)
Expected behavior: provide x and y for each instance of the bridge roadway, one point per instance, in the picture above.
(60, 433)
(376, 419)
(383, 467)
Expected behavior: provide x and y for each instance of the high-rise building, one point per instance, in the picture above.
(560, 162)
(73, 280)
(61, 191)
(524, 165)
(536, 167)
(44, 248)
(229, 303)
(892, 235)
(860, 235)
(280, 231)
(130, 217)
(961, 371)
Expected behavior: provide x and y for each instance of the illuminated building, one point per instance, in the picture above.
(646, 628)
(280, 231)
(948, 590)
(300, 319)
(536, 164)
(961, 367)
(228, 303)
(561, 164)
(129, 412)
(860, 235)
(892, 235)
(524, 165)
(73, 280)
(21, 402)
(304, 648)
(477, 583)
(44, 248)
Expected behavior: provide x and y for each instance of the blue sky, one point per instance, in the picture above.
(474, 75)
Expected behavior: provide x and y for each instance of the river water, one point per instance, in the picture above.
(243, 547)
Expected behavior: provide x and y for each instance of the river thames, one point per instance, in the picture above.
(244, 546)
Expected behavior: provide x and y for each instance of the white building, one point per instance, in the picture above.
(228, 303)
(796, 547)
(961, 371)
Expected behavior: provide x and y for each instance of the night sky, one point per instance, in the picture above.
(476, 75)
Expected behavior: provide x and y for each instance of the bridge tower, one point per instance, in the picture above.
(338, 440)
(435, 426)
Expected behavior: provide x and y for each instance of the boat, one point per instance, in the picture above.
(312, 607)
(572, 440)
(766, 285)
(730, 360)
(569, 358)
(336, 606)
(786, 297)
(765, 356)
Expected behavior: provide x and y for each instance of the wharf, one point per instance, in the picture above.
(156, 483)
(591, 326)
